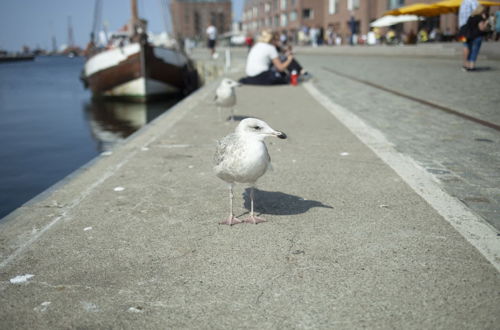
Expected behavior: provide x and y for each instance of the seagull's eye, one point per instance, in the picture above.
(257, 128)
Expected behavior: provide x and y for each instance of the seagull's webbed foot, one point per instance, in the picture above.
(231, 220)
(255, 220)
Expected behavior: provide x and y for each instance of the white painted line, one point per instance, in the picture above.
(476, 231)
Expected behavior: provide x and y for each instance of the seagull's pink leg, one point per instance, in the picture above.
(252, 218)
(231, 220)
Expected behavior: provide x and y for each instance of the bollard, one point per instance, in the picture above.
(227, 66)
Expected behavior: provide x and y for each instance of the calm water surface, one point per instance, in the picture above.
(49, 126)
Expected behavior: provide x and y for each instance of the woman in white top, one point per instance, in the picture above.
(264, 66)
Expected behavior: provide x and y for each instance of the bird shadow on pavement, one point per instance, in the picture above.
(278, 203)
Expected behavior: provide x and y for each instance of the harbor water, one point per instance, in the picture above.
(50, 126)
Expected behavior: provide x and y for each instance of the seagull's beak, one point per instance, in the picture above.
(280, 135)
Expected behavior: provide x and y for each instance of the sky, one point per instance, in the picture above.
(34, 22)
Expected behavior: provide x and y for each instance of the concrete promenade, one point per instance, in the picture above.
(357, 236)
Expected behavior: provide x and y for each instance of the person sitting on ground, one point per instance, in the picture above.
(284, 51)
(264, 66)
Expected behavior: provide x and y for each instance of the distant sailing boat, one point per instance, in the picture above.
(133, 68)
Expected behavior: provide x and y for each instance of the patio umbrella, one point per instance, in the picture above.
(453, 5)
(391, 20)
(419, 9)
(434, 9)
(490, 3)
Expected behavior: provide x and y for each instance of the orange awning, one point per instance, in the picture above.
(434, 9)
(455, 4)
(419, 9)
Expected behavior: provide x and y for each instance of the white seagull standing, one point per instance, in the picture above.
(242, 157)
(225, 96)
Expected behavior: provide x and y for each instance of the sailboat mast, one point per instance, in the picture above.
(135, 14)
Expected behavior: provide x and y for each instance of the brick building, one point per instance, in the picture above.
(190, 18)
(282, 15)
(290, 15)
(342, 13)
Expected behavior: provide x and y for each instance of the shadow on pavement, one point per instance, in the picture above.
(278, 203)
(483, 68)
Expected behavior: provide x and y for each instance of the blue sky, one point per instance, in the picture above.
(33, 22)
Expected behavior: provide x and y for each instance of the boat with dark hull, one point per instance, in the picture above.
(131, 67)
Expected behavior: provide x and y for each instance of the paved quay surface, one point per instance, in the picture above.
(463, 155)
(132, 240)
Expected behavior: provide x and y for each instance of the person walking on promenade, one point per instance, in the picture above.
(464, 12)
(212, 38)
(313, 35)
(497, 25)
(477, 25)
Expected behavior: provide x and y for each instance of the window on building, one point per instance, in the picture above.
(283, 4)
(275, 5)
(267, 7)
(284, 19)
(276, 20)
(293, 16)
(197, 23)
(307, 13)
(293, 3)
(255, 11)
(352, 4)
(393, 4)
(333, 6)
(221, 20)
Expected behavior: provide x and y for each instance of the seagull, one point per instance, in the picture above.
(242, 157)
(225, 96)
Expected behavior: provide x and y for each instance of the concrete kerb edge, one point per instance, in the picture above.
(146, 133)
(476, 231)
(182, 106)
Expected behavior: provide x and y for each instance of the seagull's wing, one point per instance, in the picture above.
(227, 145)
(219, 153)
(221, 150)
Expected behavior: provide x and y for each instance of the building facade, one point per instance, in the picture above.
(190, 18)
(342, 16)
(282, 15)
(347, 15)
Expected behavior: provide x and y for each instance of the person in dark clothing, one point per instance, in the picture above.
(283, 52)
(476, 28)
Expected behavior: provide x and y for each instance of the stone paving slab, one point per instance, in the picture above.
(462, 155)
(347, 243)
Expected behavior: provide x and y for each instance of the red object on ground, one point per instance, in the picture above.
(294, 78)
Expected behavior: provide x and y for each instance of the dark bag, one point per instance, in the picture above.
(465, 31)
(476, 26)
